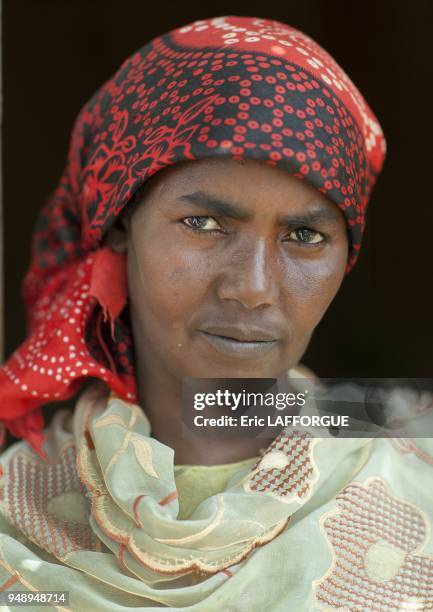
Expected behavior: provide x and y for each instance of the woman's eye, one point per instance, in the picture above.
(306, 235)
(202, 223)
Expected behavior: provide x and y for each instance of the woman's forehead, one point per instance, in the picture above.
(241, 180)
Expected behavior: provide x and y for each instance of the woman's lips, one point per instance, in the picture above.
(238, 348)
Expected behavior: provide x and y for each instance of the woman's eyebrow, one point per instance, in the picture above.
(311, 217)
(216, 204)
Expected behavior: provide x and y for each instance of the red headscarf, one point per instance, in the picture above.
(230, 87)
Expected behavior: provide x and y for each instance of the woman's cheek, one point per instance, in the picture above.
(178, 279)
(312, 289)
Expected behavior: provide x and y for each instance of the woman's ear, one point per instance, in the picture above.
(117, 236)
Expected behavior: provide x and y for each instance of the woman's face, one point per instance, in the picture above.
(231, 265)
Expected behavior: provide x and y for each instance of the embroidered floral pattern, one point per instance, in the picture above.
(29, 497)
(377, 545)
(287, 469)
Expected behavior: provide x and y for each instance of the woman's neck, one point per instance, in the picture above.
(160, 396)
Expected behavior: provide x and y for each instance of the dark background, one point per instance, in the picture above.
(56, 53)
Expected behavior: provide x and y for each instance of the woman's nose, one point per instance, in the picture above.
(250, 277)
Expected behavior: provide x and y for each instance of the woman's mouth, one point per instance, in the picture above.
(251, 347)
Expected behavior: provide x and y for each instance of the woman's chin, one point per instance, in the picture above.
(241, 369)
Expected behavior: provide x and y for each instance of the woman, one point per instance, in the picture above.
(213, 200)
